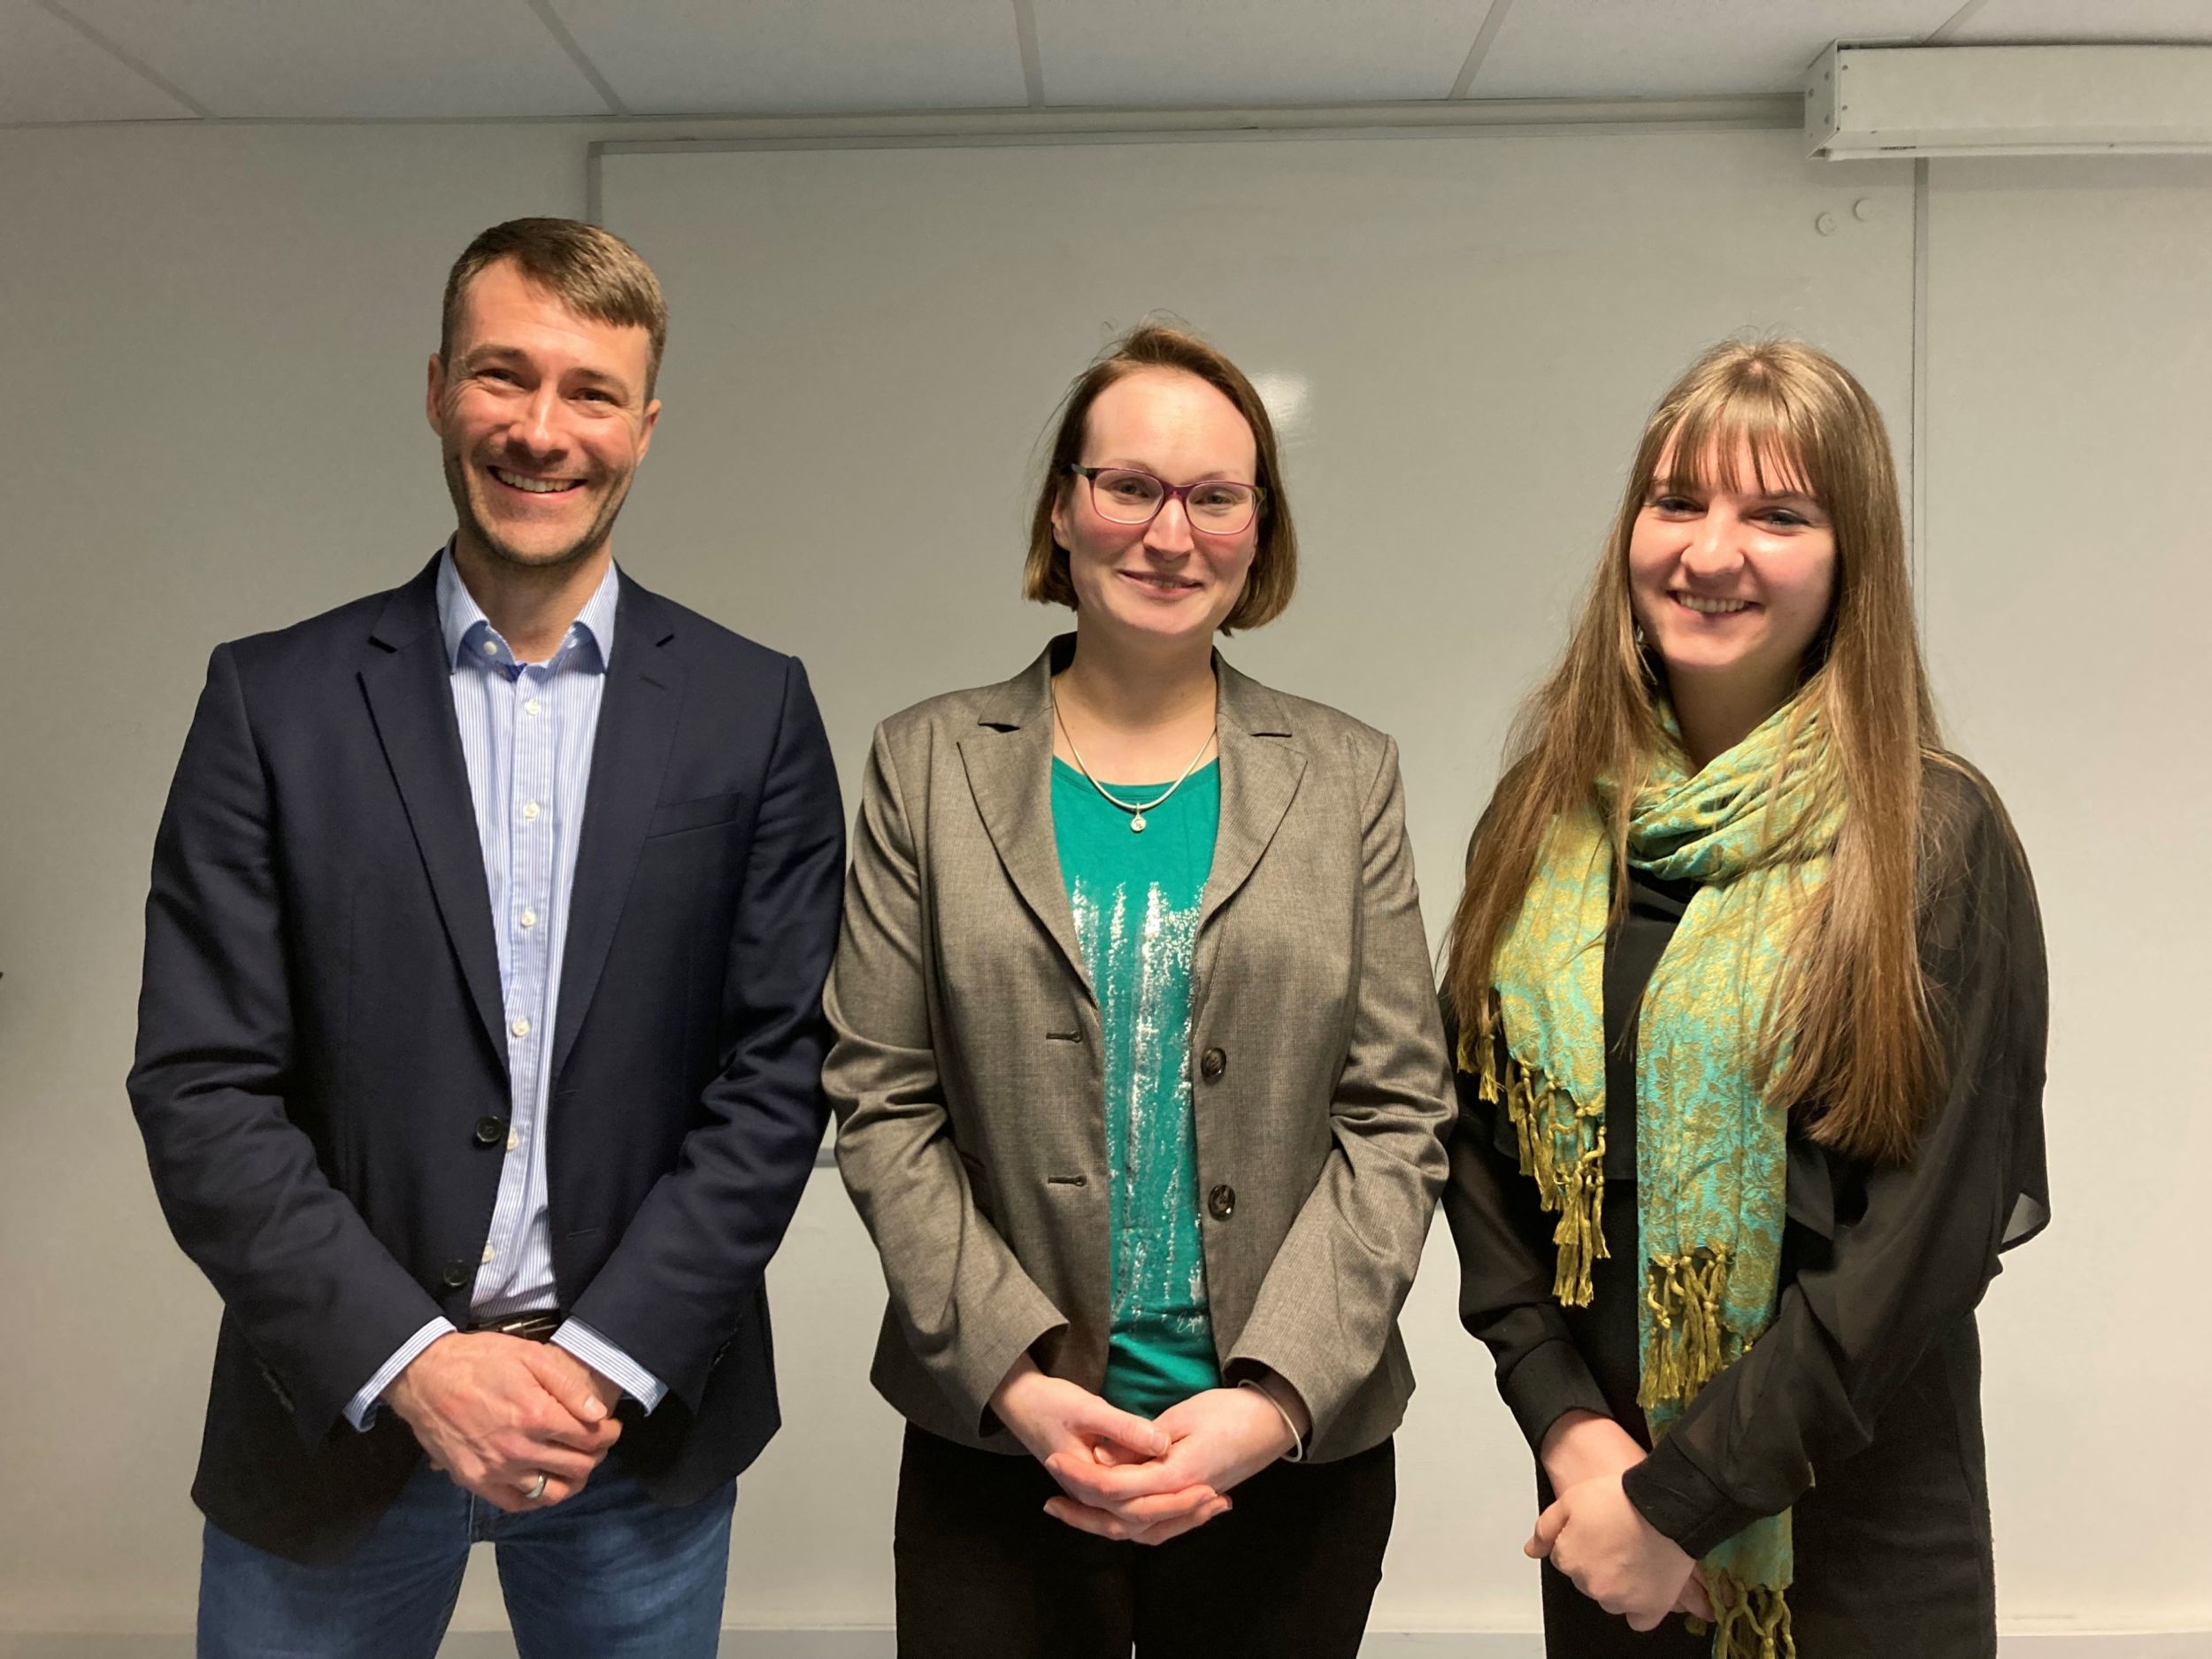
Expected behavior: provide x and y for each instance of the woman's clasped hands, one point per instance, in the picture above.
(1595, 1536)
(1145, 1481)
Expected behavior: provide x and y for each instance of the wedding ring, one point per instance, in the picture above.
(532, 1495)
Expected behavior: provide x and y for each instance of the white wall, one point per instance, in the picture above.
(214, 343)
(2067, 591)
(1465, 333)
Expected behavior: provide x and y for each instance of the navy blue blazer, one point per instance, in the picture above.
(319, 1033)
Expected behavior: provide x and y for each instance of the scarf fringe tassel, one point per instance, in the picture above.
(1572, 1187)
(1687, 1345)
(1750, 1621)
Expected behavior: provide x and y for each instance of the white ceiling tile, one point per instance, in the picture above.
(361, 58)
(1170, 52)
(48, 72)
(1680, 49)
(802, 57)
(2078, 20)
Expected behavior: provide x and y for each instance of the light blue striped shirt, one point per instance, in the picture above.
(526, 733)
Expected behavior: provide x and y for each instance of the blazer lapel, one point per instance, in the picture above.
(408, 682)
(1008, 763)
(637, 727)
(1260, 771)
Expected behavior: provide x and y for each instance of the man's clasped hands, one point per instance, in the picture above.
(521, 1425)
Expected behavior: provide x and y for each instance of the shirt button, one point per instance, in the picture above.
(488, 1254)
(529, 919)
(531, 707)
(520, 1026)
(491, 647)
(514, 1139)
(529, 808)
(1221, 1203)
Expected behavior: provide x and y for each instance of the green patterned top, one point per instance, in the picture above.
(1135, 897)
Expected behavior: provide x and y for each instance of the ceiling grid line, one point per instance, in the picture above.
(55, 10)
(542, 9)
(1032, 60)
(1956, 21)
(102, 61)
(1493, 21)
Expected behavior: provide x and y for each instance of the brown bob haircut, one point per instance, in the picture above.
(592, 271)
(1155, 345)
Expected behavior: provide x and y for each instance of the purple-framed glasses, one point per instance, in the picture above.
(1126, 495)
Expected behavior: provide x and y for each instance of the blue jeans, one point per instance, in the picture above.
(610, 1574)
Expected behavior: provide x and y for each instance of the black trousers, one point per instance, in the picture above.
(985, 1573)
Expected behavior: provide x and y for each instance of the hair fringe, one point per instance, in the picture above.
(1848, 1035)
(1161, 343)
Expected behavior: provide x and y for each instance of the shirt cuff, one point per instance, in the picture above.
(1551, 1379)
(361, 1409)
(610, 1362)
(1682, 1503)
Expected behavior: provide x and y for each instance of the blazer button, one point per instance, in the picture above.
(456, 1274)
(490, 1131)
(1221, 1203)
(1211, 1064)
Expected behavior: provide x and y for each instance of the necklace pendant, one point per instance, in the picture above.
(1136, 824)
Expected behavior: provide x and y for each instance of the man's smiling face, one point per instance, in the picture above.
(543, 417)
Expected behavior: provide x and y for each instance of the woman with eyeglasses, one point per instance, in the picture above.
(1748, 1002)
(1139, 1080)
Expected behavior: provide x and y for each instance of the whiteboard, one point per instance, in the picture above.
(1460, 336)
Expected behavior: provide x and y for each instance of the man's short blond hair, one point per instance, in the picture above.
(592, 271)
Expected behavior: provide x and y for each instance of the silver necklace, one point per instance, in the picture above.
(1136, 809)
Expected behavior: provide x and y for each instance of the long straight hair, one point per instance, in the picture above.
(1847, 1032)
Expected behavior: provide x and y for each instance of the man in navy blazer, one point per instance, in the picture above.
(480, 1034)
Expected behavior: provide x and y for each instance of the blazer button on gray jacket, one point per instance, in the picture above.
(967, 1073)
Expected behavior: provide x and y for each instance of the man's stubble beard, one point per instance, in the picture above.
(472, 526)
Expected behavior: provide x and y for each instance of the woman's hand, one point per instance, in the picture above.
(1694, 1599)
(1108, 1461)
(1219, 1440)
(1582, 1446)
(1586, 1446)
(1225, 1436)
(1594, 1535)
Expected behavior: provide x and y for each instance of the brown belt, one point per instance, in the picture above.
(536, 1325)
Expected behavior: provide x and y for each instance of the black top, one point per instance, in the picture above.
(1868, 1376)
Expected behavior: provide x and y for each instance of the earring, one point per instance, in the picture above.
(1640, 637)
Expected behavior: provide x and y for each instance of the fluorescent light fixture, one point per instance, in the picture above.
(1865, 102)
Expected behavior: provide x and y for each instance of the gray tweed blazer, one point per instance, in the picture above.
(967, 1082)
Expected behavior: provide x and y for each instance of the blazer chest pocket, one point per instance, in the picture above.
(708, 811)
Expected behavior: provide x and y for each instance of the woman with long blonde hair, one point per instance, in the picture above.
(1747, 989)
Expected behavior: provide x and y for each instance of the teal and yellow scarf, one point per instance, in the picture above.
(1711, 1155)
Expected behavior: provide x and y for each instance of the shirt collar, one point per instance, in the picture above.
(467, 630)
